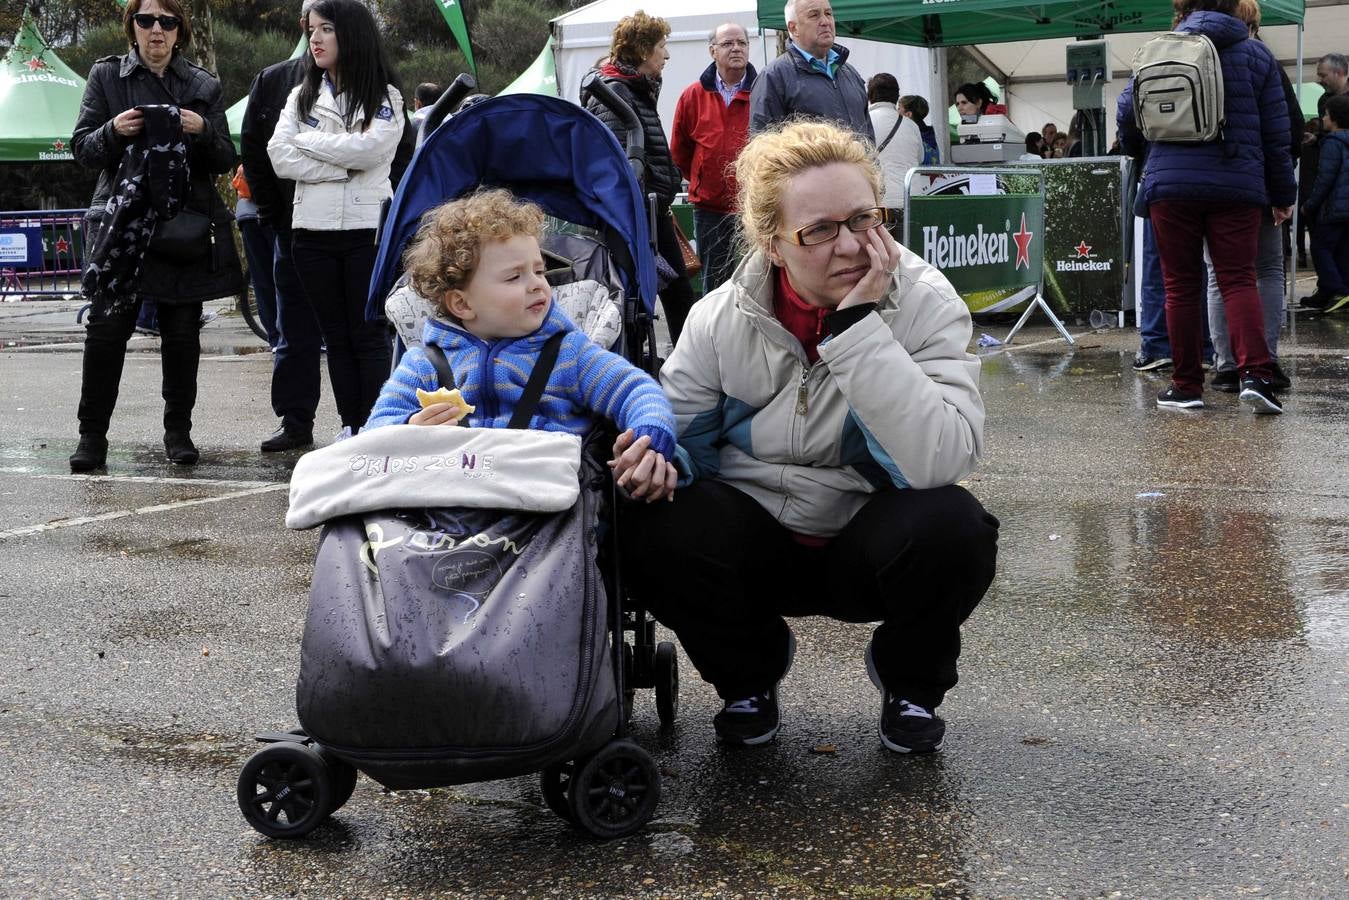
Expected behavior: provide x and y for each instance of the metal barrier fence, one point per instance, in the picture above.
(41, 253)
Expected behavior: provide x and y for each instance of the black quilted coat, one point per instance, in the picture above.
(641, 92)
(118, 83)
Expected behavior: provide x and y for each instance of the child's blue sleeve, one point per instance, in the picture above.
(398, 398)
(612, 387)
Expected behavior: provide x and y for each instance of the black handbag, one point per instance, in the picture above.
(187, 237)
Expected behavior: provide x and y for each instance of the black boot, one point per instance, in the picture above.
(92, 453)
(179, 449)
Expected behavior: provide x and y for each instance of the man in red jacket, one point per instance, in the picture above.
(711, 125)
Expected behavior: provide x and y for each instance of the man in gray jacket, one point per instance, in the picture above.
(813, 78)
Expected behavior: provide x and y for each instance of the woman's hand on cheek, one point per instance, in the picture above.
(883, 252)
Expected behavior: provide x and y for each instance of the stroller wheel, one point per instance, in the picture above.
(343, 777)
(666, 668)
(285, 790)
(554, 781)
(615, 792)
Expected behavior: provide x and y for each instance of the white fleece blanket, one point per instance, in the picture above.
(429, 467)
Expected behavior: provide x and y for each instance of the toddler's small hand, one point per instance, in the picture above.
(437, 414)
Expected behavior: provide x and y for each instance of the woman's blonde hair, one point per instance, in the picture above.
(445, 253)
(775, 157)
(636, 36)
(1248, 11)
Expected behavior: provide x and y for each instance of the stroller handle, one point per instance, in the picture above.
(635, 145)
(461, 87)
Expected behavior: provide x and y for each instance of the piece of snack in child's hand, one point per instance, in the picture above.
(444, 395)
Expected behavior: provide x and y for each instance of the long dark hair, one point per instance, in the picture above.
(363, 66)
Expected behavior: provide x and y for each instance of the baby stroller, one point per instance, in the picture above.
(549, 681)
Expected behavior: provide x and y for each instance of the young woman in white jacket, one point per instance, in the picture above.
(336, 139)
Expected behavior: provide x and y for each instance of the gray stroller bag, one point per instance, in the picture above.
(451, 646)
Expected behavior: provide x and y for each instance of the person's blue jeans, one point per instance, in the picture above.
(1152, 334)
(1330, 254)
(715, 233)
(295, 366)
(260, 251)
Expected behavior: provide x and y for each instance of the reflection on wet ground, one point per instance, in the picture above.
(1152, 698)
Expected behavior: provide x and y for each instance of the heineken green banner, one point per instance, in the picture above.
(1085, 244)
(988, 247)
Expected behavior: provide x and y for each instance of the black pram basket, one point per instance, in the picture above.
(451, 646)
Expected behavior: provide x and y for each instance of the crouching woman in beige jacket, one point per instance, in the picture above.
(826, 405)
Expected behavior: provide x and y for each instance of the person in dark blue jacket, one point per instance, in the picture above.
(1215, 191)
(1328, 202)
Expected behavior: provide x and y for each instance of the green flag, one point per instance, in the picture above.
(454, 17)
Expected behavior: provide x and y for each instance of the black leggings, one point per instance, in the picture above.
(335, 269)
(105, 340)
(717, 569)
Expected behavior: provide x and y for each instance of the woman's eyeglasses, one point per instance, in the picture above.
(148, 20)
(822, 232)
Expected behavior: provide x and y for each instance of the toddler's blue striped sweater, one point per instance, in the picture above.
(492, 376)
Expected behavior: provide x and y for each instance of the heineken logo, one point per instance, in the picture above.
(1083, 261)
(956, 250)
(60, 151)
(34, 64)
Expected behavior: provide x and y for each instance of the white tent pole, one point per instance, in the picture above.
(937, 105)
(1291, 289)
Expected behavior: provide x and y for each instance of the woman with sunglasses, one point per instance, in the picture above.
(154, 72)
(336, 138)
(826, 407)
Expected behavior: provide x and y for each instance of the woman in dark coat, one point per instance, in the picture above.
(636, 59)
(1216, 192)
(153, 73)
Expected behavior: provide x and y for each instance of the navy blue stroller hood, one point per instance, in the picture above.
(541, 149)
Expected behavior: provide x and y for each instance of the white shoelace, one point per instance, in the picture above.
(748, 705)
(913, 709)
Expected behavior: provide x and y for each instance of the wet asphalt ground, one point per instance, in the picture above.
(1154, 696)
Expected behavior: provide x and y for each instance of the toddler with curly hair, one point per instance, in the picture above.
(478, 260)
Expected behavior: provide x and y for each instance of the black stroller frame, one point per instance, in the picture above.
(293, 784)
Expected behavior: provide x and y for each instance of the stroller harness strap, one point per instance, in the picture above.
(533, 393)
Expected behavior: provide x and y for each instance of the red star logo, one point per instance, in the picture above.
(58, 145)
(34, 64)
(1083, 250)
(1023, 238)
(62, 245)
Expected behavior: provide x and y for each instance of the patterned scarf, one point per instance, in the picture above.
(152, 183)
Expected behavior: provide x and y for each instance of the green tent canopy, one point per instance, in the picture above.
(539, 78)
(39, 100)
(955, 23)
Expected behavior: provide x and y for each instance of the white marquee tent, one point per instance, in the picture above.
(581, 36)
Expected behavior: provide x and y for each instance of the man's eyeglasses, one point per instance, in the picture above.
(148, 20)
(727, 45)
(822, 232)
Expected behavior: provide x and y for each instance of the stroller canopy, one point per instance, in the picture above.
(541, 149)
